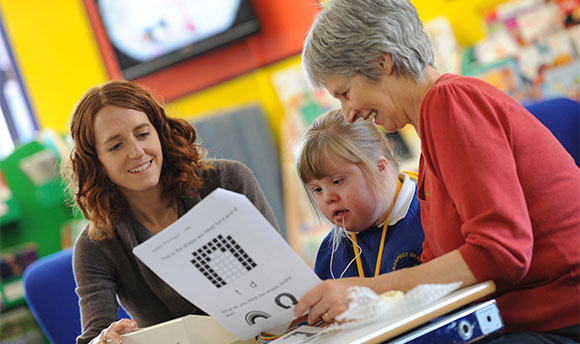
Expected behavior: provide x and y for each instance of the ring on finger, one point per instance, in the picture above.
(326, 317)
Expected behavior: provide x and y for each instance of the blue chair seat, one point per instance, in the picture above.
(49, 290)
(562, 117)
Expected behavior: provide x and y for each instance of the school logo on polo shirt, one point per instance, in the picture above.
(406, 260)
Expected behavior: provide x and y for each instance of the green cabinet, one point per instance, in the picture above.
(36, 212)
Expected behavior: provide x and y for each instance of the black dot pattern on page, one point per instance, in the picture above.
(222, 260)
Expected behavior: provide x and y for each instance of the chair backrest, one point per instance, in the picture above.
(562, 117)
(49, 290)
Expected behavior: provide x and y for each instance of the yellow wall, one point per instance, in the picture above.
(56, 55)
(254, 87)
(465, 16)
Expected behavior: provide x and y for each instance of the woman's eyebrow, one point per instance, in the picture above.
(116, 136)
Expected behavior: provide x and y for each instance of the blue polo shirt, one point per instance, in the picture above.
(403, 242)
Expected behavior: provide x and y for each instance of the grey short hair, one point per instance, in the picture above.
(348, 35)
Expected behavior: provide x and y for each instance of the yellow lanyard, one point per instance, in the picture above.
(411, 174)
(359, 266)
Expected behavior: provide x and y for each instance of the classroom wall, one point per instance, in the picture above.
(465, 16)
(55, 53)
(59, 60)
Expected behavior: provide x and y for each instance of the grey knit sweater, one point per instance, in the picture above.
(107, 271)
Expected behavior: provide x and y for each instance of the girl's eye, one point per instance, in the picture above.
(345, 95)
(316, 190)
(336, 181)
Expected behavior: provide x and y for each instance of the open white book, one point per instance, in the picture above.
(227, 259)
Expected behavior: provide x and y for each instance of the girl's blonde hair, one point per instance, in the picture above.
(331, 138)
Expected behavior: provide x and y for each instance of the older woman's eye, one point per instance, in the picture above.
(144, 134)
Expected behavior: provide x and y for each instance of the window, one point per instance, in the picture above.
(17, 123)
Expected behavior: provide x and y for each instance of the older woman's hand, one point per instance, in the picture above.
(329, 299)
(114, 332)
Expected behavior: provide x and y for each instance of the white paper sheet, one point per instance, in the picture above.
(227, 259)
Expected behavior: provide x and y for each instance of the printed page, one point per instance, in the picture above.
(227, 259)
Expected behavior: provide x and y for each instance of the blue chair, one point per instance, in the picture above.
(49, 290)
(562, 117)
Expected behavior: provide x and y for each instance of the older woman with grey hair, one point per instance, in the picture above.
(499, 194)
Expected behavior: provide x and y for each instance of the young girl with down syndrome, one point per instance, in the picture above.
(351, 177)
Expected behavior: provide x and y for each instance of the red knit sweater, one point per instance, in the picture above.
(497, 185)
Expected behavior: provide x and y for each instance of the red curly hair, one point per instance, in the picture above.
(95, 195)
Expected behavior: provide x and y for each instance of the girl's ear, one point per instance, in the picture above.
(383, 164)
